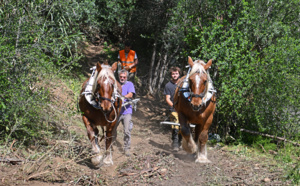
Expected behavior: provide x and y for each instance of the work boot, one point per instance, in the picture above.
(175, 146)
(175, 139)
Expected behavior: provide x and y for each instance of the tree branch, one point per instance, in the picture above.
(270, 136)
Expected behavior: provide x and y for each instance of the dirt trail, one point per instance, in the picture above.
(151, 141)
(152, 161)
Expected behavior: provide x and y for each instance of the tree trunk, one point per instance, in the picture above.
(162, 72)
(151, 67)
(164, 67)
(157, 69)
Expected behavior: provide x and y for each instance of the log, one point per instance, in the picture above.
(270, 136)
(13, 161)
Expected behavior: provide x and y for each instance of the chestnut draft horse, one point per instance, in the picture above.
(193, 106)
(107, 91)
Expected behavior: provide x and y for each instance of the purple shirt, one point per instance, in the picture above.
(126, 88)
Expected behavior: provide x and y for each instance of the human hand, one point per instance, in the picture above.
(127, 68)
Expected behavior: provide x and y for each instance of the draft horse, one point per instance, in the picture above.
(195, 108)
(106, 90)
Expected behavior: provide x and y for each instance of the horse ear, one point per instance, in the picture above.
(98, 67)
(208, 64)
(190, 61)
(114, 66)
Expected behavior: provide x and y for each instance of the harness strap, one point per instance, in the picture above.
(103, 98)
(198, 95)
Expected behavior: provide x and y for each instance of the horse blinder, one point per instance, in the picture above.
(189, 94)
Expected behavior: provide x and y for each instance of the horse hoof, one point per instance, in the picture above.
(202, 160)
(189, 147)
(108, 161)
(96, 160)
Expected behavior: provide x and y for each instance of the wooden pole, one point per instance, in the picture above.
(270, 136)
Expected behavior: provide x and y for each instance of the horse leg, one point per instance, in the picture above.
(202, 139)
(202, 150)
(188, 144)
(108, 142)
(92, 133)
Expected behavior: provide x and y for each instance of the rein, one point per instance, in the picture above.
(115, 95)
(114, 108)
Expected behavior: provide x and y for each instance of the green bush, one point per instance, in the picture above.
(256, 63)
(39, 41)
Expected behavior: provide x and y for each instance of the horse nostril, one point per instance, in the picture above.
(196, 107)
(107, 109)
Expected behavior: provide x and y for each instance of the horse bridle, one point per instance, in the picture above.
(103, 98)
(115, 95)
(190, 94)
(201, 95)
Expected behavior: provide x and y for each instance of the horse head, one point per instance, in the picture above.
(106, 87)
(198, 78)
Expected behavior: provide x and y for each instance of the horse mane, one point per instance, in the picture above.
(198, 68)
(106, 73)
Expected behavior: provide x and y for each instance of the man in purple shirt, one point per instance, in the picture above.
(128, 92)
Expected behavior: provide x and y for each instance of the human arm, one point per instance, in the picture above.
(128, 90)
(135, 62)
(129, 95)
(168, 100)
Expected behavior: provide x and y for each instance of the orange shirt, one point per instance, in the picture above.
(127, 61)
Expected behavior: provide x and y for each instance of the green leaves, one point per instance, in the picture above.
(38, 41)
(114, 15)
(254, 49)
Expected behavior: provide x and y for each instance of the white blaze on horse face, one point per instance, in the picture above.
(106, 81)
(197, 79)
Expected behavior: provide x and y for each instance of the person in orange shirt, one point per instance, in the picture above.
(128, 60)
